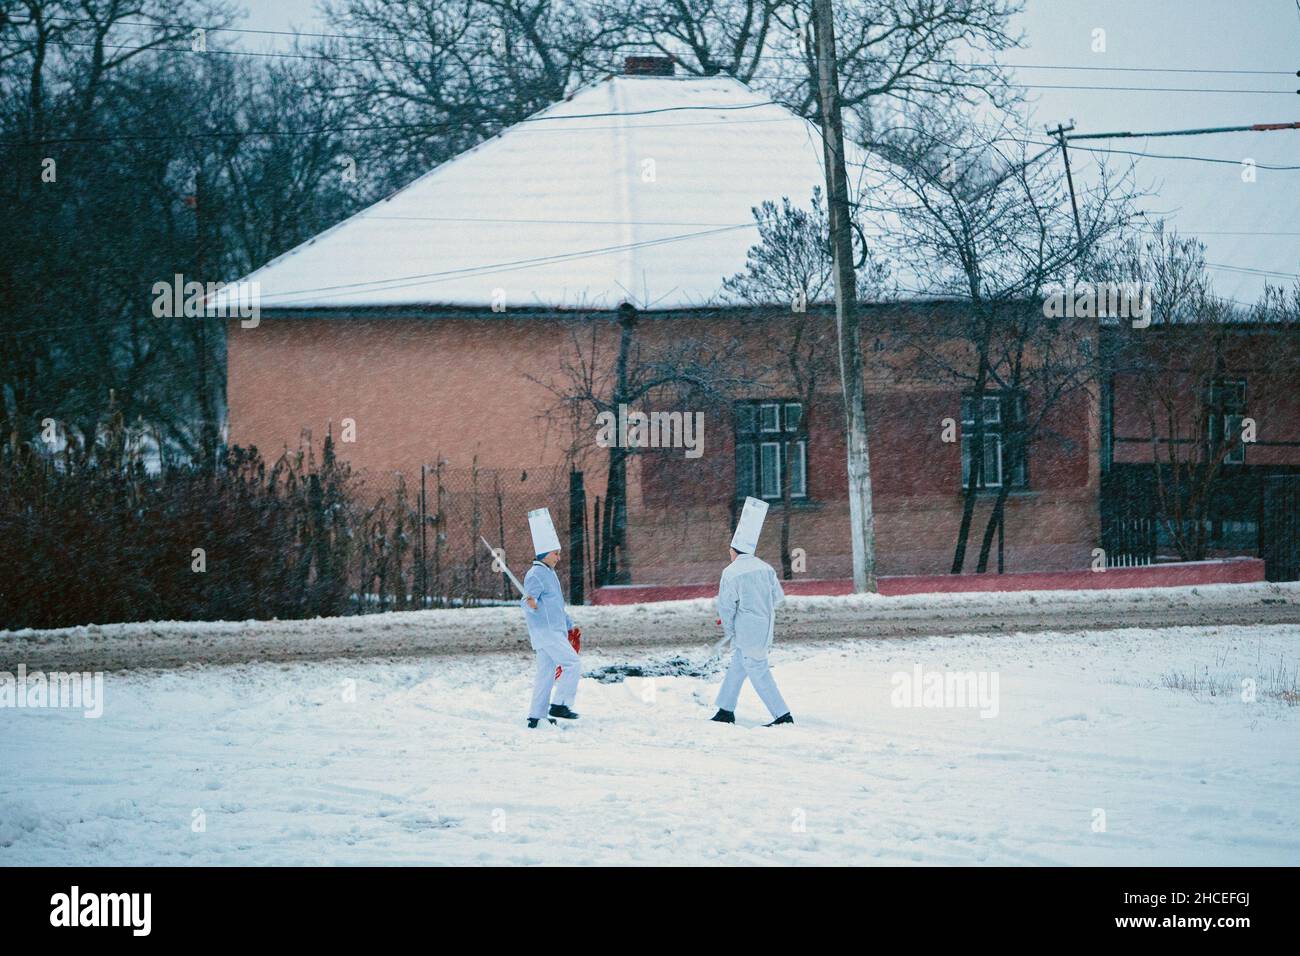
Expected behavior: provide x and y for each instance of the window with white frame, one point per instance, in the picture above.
(765, 444)
(1225, 410)
(1004, 458)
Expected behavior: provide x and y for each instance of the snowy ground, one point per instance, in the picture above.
(640, 628)
(430, 762)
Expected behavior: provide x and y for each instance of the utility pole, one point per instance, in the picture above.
(208, 437)
(861, 516)
(1059, 133)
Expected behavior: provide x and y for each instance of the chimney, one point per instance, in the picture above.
(648, 66)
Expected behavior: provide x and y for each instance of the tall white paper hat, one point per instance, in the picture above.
(749, 526)
(545, 539)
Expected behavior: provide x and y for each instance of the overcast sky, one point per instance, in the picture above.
(1245, 225)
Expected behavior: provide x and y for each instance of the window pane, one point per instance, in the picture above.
(1231, 392)
(798, 454)
(744, 418)
(1015, 467)
(792, 412)
(744, 470)
(965, 461)
(1232, 437)
(770, 417)
(992, 410)
(1016, 409)
(992, 461)
(771, 470)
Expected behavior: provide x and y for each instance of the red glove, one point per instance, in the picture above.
(575, 641)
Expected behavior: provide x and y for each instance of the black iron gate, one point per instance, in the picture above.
(1279, 527)
(1129, 517)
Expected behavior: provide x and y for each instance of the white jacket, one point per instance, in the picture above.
(542, 584)
(748, 596)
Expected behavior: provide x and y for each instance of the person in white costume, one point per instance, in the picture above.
(748, 596)
(548, 627)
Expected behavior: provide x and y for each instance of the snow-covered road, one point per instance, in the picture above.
(641, 628)
(1090, 759)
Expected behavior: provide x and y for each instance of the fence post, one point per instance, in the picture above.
(577, 511)
(597, 578)
(424, 539)
(440, 523)
(501, 530)
(589, 569)
(476, 523)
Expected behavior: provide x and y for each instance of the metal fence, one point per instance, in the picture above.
(1251, 509)
(420, 533)
(1279, 527)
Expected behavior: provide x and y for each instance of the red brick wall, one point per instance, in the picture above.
(458, 388)
(1269, 363)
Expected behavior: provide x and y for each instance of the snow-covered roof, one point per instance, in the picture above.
(635, 189)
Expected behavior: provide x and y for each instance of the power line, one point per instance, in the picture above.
(274, 54)
(369, 59)
(1228, 232)
(1248, 128)
(249, 30)
(480, 271)
(1147, 69)
(1103, 89)
(1022, 134)
(428, 278)
(564, 222)
(537, 118)
(1251, 271)
(1199, 159)
(1137, 89)
(786, 57)
(387, 284)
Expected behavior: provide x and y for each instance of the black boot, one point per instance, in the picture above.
(724, 717)
(562, 710)
(783, 719)
(533, 721)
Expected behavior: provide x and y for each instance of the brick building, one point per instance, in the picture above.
(1201, 429)
(441, 320)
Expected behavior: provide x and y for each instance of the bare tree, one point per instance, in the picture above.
(897, 56)
(792, 263)
(1204, 376)
(104, 193)
(731, 37)
(983, 220)
(435, 77)
(687, 372)
(85, 213)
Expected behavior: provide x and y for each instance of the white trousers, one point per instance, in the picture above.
(751, 663)
(554, 650)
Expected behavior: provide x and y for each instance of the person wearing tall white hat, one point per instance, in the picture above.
(548, 626)
(748, 596)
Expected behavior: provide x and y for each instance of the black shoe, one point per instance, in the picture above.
(724, 717)
(533, 721)
(783, 719)
(562, 710)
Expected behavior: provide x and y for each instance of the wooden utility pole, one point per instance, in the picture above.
(1059, 133)
(861, 516)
